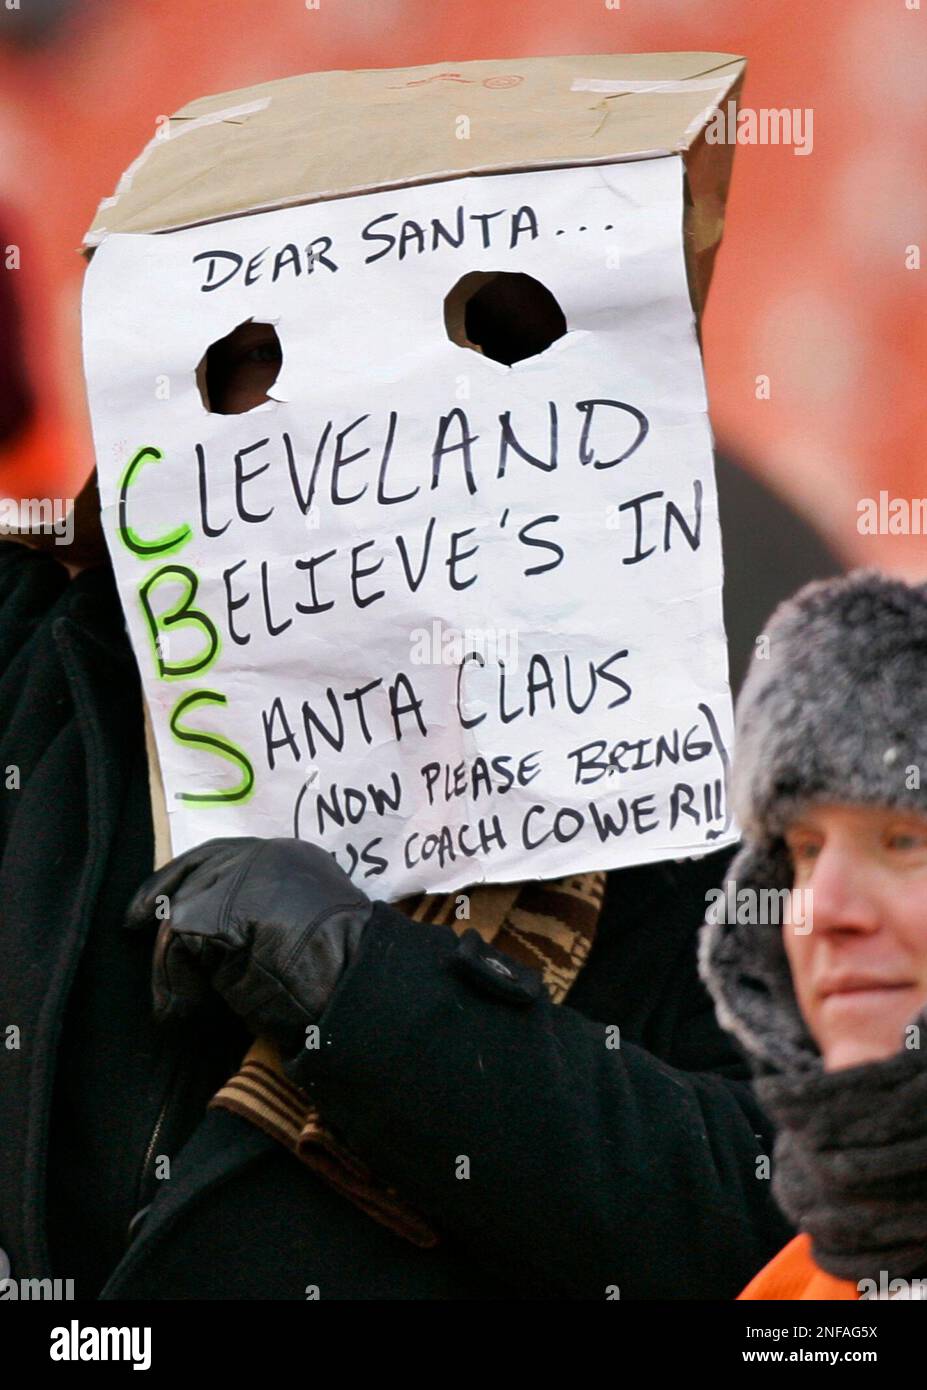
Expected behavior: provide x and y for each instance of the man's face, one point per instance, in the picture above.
(860, 974)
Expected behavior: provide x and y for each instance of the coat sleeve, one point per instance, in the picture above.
(570, 1166)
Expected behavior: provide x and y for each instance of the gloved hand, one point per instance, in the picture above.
(270, 925)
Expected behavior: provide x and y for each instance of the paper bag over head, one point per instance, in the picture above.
(447, 599)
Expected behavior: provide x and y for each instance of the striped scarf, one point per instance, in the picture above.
(549, 925)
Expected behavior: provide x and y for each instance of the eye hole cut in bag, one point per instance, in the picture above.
(503, 315)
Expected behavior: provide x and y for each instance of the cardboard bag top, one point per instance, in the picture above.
(333, 134)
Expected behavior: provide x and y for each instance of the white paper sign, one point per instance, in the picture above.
(454, 620)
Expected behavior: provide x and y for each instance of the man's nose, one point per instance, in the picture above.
(842, 896)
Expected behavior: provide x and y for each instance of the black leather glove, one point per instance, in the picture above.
(270, 925)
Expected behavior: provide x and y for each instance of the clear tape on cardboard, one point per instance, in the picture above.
(185, 127)
(609, 86)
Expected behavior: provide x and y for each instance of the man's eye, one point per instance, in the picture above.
(264, 352)
(802, 850)
(907, 839)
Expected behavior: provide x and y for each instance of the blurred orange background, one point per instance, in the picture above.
(814, 287)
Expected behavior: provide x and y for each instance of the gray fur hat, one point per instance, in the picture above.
(834, 708)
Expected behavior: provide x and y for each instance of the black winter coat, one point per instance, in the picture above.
(591, 1169)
